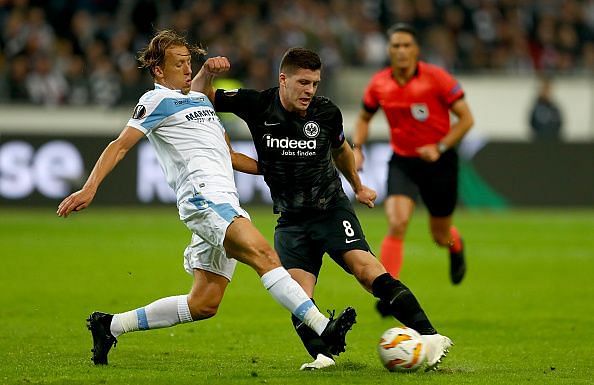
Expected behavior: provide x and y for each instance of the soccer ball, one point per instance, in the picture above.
(402, 349)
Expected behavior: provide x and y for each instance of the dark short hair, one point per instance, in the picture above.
(153, 54)
(402, 27)
(297, 58)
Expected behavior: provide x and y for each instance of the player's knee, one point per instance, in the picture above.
(398, 227)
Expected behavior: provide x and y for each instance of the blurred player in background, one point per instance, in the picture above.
(416, 98)
(194, 152)
(300, 144)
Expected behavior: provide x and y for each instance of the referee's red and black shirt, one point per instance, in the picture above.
(418, 111)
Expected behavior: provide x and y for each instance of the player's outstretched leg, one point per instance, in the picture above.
(164, 312)
(402, 303)
(383, 308)
(99, 324)
(334, 335)
(457, 260)
(288, 293)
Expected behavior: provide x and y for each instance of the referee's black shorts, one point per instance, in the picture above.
(436, 182)
(301, 239)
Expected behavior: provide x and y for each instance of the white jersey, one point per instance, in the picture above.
(189, 140)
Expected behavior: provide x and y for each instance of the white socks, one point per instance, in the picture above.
(162, 313)
(171, 311)
(288, 293)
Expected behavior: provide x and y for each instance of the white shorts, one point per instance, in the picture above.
(208, 216)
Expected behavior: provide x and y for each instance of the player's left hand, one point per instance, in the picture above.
(366, 196)
(216, 65)
(429, 152)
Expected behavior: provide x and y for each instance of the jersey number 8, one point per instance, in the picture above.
(348, 228)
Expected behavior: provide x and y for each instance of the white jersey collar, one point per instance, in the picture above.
(162, 87)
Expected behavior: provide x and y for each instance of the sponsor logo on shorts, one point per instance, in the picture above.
(351, 240)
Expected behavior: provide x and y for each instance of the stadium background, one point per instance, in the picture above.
(69, 79)
(68, 84)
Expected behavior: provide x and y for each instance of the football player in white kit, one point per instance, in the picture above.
(194, 152)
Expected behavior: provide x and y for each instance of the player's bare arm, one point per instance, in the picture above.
(360, 137)
(242, 162)
(345, 162)
(433, 151)
(212, 67)
(464, 122)
(111, 156)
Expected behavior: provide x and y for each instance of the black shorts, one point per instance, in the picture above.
(301, 239)
(436, 182)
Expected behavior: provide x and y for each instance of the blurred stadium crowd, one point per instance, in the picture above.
(82, 52)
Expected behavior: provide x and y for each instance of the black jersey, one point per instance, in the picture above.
(293, 151)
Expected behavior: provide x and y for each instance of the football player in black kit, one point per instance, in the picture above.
(300, 144)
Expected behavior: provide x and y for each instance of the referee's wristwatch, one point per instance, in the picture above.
(442, 147)
(354, 145)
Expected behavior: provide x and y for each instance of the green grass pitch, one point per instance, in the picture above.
(523, 315)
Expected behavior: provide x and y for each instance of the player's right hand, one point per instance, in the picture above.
(217, 65)
(75, 202)
(429, 152)
(366, 196)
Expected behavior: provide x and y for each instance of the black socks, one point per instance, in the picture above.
(402, 303)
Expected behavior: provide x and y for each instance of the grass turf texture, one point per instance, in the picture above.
(524, 313)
